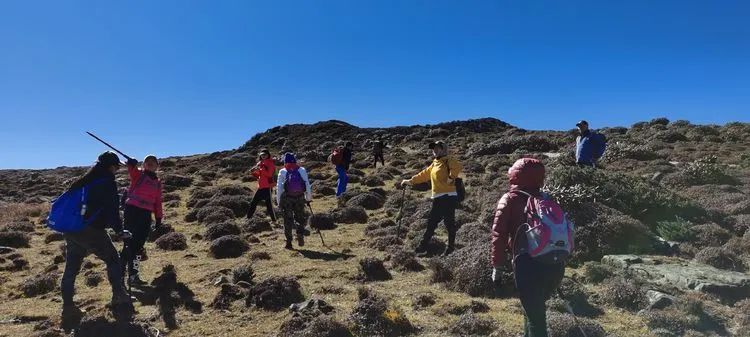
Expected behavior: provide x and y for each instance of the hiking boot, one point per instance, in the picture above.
(134, 280)
(306, 232)
(288, 245)
(71, 317)
(421, 249)
(300, 240)
(448, 251)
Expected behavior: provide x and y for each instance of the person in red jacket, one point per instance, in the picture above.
(264, 171)
(143, 199)
(534, 280)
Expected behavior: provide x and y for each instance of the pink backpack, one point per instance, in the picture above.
(548, 232)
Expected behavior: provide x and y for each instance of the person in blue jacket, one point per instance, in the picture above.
(590, 145)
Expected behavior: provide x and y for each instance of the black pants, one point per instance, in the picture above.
(77, 247)
(263, 194)
(536, 282)
(443, 209)
(378, 156)
(138, 222)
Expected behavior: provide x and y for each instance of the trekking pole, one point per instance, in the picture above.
(570, 311)
(400, 214)
(110, 146)
(318, 229)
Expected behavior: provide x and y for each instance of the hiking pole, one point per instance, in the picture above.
(110, 146)
(570, 311)
(400, 214)
(318, 229)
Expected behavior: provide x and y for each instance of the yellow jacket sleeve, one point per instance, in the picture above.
(422, 177)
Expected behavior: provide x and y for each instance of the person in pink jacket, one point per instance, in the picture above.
(143, 199)
(263, 171)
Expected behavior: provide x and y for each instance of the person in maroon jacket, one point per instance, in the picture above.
(143, 199)
(535, 281)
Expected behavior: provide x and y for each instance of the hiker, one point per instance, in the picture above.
(377, 152)
(264, 171)
(292, 193)
(590, 145)
(535, 277)
(101, 212)
(442, 174)
(144, 199)
(341, 157)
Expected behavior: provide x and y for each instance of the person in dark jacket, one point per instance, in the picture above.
(378, 145)
(144, 199)
(342, 169)
(590, 145)
(534, 280)
(103, 206)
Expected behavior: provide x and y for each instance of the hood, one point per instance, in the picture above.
(527, 174)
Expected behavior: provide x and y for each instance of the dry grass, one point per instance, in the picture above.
(315, 266)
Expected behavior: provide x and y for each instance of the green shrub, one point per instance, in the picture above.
(634, 196)
(706, 170)
(622, 150)
(675, 230)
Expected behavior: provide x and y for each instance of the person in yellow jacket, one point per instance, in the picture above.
(441, 173)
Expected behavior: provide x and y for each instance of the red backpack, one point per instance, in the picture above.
(337, 156)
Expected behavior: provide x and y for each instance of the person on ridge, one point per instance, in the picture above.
(102, 210)
(378, 146)
(264, 171)
(341, 157)
(590, 145)
(441, 173)
(144, 199)
(293, 192)
(535, 277)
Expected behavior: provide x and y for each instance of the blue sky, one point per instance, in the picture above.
(185, 77)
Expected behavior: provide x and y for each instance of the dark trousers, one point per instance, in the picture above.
(378, 156)
(443, 209)
(536, 282)
(263, 194)
(77, 246)
(138, 222)
(293, 209)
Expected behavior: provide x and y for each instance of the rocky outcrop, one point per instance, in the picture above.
(685, 275)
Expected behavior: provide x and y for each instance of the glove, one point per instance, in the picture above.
(124, 235)
(156, 224)
(132, 162)
(497, 275)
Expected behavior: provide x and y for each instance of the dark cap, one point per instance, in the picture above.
(151, 157)
(262, 151)
(582, 122)
(109, 159)
(439, 143)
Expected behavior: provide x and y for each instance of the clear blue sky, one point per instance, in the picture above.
(185, 77)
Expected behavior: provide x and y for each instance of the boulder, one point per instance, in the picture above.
(730, 286)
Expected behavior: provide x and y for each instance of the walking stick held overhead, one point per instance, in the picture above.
(110, 146)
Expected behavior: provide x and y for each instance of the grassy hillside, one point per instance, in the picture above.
(668, 189)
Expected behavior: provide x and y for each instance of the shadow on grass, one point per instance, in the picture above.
(333, 256)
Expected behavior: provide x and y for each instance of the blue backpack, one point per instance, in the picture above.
(68, 210)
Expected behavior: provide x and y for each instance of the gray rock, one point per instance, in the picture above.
(686, 275)
(659, 300)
